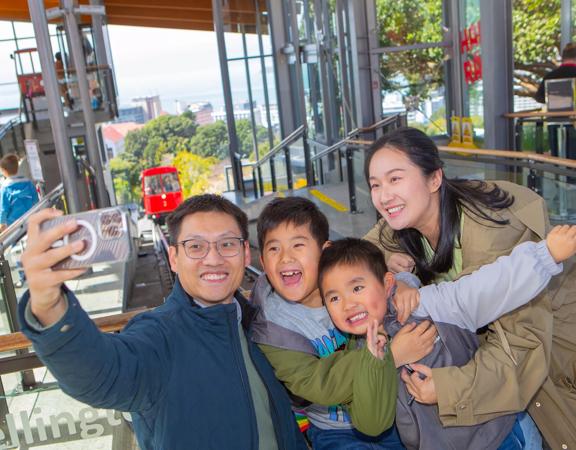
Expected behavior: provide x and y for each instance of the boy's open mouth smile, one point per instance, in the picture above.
(291, 277)
(357, 318)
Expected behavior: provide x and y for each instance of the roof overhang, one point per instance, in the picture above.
(183, 14)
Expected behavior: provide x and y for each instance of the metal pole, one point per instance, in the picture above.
(250, 96)
(232, 137)
(66, 164)
(79, 63)
(565, 23)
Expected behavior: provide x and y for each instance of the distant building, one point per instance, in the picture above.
(131, 114)
(241, 111)
(152, 106)
(114, 135)
(203, 112)
(274, 116)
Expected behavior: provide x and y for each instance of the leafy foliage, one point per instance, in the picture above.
(211, 140)
(194, 172)
(536, 39)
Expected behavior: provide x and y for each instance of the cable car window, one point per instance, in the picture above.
(152, 185)
(170, 182)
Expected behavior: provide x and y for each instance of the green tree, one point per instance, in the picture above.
(211, 140)
(194, 172)
(536, 41)
(165, 134)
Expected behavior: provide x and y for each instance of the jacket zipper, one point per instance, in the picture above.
(275, 416)
(240, 363)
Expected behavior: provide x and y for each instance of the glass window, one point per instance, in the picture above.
(413, 82)
(170, 182)
(6, 30)
(536, 39)
(152, 185)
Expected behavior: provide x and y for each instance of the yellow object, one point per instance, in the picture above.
(456, 140)
(468, 133)
(329, 201)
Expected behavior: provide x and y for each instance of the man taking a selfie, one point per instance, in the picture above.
(186, 371)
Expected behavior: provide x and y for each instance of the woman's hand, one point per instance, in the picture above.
(400, 262)
(420, 384)
(413, 342)
(375, 342)
(406, 299)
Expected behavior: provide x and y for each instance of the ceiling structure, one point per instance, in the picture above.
(183, 14)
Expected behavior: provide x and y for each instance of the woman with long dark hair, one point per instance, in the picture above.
(444, 228)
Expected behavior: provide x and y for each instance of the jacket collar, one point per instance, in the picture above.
(180, 296)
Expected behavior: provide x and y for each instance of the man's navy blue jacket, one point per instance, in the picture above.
(179, 369)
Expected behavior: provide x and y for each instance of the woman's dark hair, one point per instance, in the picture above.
(455, 195)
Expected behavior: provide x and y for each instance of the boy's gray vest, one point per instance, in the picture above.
(418, 424)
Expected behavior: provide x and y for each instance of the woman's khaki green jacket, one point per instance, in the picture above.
(528, 357)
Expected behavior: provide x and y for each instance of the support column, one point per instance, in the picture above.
(365, 65)
(565, 23)
(497, 72)
(66, 163)
(283, 65)
(228, 105)
(79, 64)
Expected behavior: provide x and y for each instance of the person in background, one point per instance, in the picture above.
(566, 70)
(17, 194)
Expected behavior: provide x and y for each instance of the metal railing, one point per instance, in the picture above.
(10, 127)
(345, 149)
(267, 176)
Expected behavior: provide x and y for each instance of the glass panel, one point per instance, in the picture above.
(7, 68)
(297, 164)
(24, 29)
(152, 185)
(405, 22)
(557, 190)
(47, 418)
(413, 82)
(266, 178)
(536, 28)
(280, 171)
(9, 97)
(474, 93)
(170, 182)
(6, 30)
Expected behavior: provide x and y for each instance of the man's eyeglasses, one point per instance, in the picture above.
(199, 248)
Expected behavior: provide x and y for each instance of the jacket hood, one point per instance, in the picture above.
(267, 332)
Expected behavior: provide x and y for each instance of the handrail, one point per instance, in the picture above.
(296, 134)
(383, 122)
(6, 127)
(348, 139)
(15, 231)
(109, 324)
(330, 149)
(529, 156)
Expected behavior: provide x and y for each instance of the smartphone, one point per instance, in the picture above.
(105, 235)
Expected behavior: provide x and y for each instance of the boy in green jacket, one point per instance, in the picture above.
(291, 234)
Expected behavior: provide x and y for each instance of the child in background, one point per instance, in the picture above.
(357, 290)
(294, 324)
(17, 194)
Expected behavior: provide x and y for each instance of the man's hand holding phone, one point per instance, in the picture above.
(45, 283)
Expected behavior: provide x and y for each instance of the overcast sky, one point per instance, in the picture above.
(175, 64)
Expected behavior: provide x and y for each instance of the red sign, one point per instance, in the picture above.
(473, 69)
(470, 38)
(470, 49)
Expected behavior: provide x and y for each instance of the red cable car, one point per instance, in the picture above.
(161, 191)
